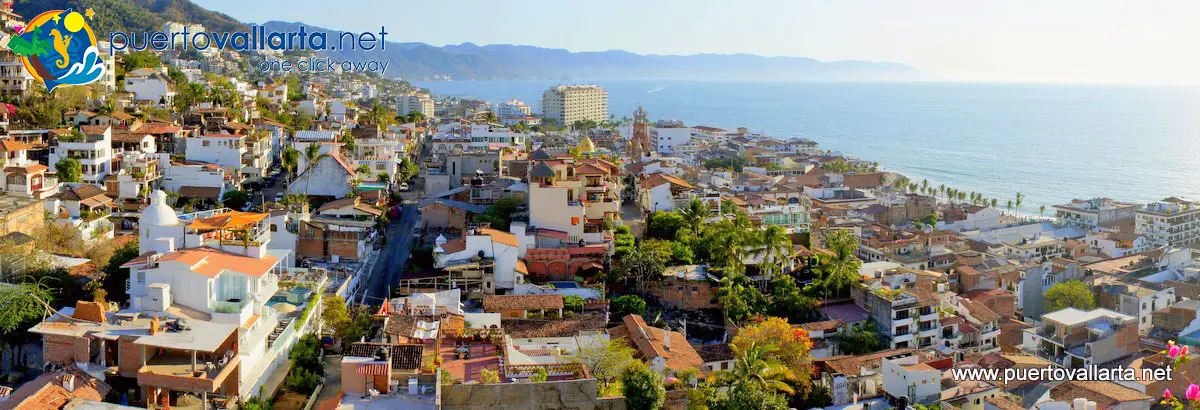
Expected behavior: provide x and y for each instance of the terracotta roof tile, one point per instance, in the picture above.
(494, 303)
(211, 262)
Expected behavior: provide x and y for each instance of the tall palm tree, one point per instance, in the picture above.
(695, 213)
(1008, 204)
(754, 366)
(311, 152)
(776, 248)
(962, 196)
(840, 271)
(994, 201)
(1020, 199)
(1042, 210)
(290, 159)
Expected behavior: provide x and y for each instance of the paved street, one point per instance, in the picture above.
(392, 258)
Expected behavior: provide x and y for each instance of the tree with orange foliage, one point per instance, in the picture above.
(792, 347)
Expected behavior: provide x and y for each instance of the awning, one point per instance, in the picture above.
(228, 220)
(374, 369)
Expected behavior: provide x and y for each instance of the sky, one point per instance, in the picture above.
(1076, 41)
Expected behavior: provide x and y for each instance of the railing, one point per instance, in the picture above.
(221, 306)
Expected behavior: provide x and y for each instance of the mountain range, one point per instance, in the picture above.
(467, 61)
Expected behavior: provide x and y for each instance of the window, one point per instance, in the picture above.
(274, 228)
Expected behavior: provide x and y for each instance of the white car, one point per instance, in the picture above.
(279, 197)
(404, 187)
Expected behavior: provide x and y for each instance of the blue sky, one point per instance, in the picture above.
(969, 40)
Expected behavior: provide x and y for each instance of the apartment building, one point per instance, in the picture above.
(513, 109)
(576, 197)
(1172, 221)
(906, 315)
(93, 151)
(415, 102)
(1091, 214)
(23, 176)
(570, 103)
(1073, 338)
(206, 316)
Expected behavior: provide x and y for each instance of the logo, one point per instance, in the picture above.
(59, 48)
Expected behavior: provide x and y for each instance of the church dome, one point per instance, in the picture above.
(158, 213)
(585, 145)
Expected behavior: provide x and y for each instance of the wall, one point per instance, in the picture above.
(572, 394)
(26, 218)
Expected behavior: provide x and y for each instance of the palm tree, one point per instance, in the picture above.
(941, 188)
(1020, 199)
(840, 271)
(311, 152)
(1042, 210)
(962, 196)
(695, 213)
(994, 201)
(290, 159)
(363, 169)
(776, 248)
(755, 366)
(1008, 204)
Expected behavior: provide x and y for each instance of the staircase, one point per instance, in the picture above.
(279, 328)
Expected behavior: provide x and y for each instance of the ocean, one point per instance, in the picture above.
(1050, 142)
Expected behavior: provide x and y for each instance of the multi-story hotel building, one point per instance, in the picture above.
(1090, 214)
(1172, 221)
(417, 102)
(569, 103)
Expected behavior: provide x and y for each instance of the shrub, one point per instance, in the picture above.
(301, 380)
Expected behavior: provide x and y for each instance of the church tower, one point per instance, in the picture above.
(639, 145)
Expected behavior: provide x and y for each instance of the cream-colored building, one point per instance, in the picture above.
(569, 103)
(418, 102)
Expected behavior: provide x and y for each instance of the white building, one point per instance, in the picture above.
(150, 84)
(505, 249)
(192, 267)
(172, 28)
(909, 377)
(94, 152)
(330, 177)
(224, 150)
(415, 102)
(181, 177)
(513, 109)
(1172, 221)
(569, 103)
(1117, 244)
(1090, 214)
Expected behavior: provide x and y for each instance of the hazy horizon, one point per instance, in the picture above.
(1066, 41)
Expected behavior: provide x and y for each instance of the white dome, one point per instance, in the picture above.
(158, 213)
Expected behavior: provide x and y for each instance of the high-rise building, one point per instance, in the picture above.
(513, 109)
(569, 103)
(418, 102)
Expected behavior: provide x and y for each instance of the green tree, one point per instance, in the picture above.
(606, 359)
(695, 213)
(306, 354)
(573, 303)
(788, 300)
(1072, 293)
(379, 114)
(643, 264)
(776, 248)
(407, 170)
(235, 199)
(334, 313)
(627, 305)
(114, 275)
(839, 272)
(740, 298)
(754, 364)
(69, 170)
(291, 157)
(500, 214)
(140, 59)
(643, 387)
(860, 338)
(663, 224)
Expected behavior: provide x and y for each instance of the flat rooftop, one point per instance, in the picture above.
(1073, 316)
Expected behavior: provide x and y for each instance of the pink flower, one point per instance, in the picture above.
(1167, 394)
(1184, 352)
(1174, 351)
(1193, 392)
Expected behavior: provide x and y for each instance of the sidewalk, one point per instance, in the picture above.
(332, 392)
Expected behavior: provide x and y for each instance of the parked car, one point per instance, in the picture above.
(279, 196)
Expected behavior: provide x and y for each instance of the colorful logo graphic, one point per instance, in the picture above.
(59, 48)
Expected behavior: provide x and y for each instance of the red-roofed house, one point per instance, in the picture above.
(663, 348)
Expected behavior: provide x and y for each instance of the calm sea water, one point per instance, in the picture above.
(1050, 142)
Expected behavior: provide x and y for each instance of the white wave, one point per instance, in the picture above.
(656, 89)
(91, 62)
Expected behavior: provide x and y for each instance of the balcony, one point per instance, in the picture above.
(908, 321)
(180, 372)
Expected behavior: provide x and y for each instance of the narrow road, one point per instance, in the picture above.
(392, 258)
